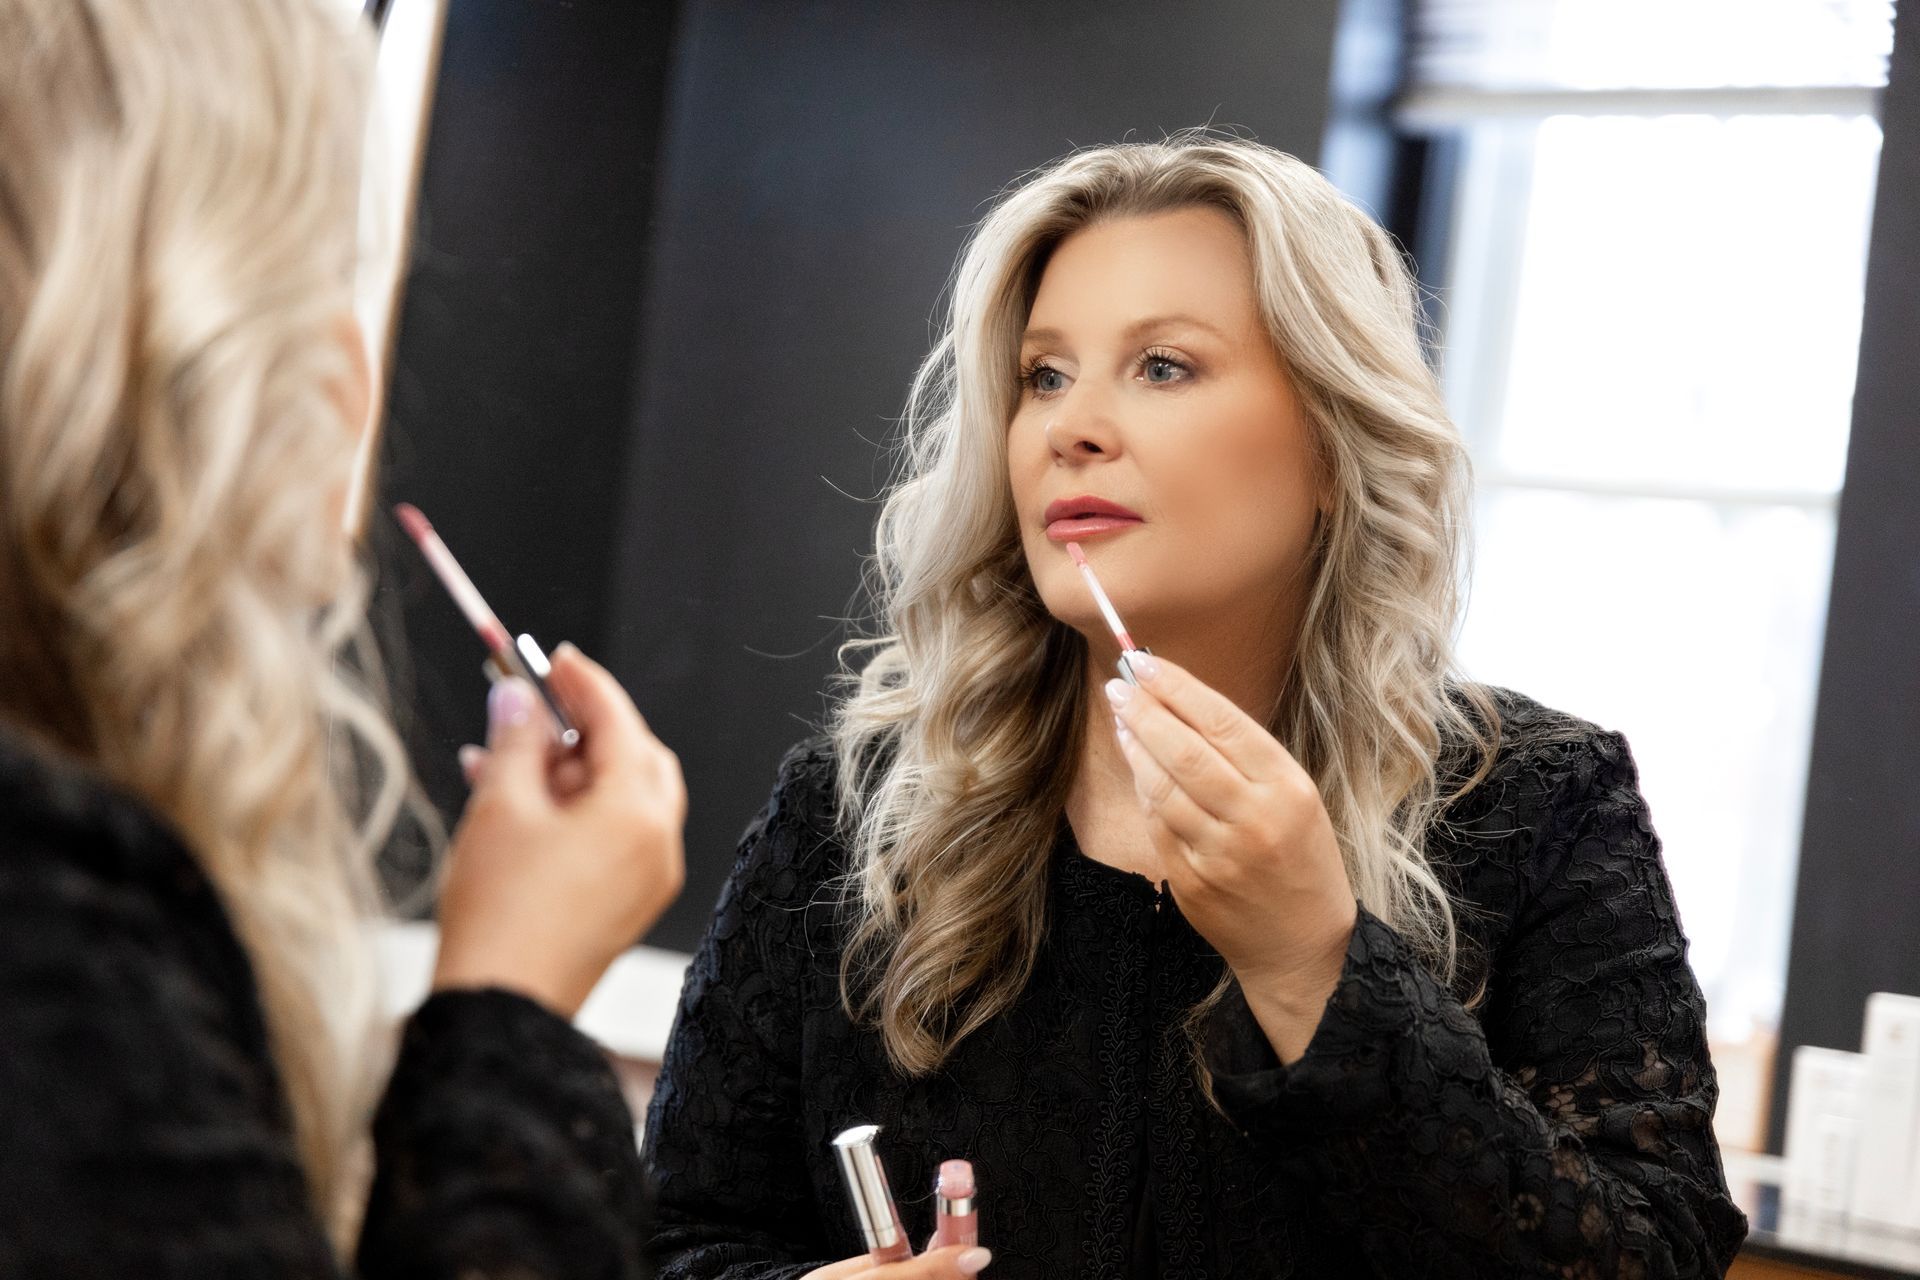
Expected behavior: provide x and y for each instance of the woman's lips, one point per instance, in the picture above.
(1070, 519)
(1075, 528)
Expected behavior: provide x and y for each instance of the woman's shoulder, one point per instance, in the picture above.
(126, 998)
(794, 843)
(806, 793)
(808, 775)
(1551, 777)
(60, 820)
(1523, 749)
(89, 871)
(102, 900)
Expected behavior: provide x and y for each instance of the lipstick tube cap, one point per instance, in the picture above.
(866, 1183)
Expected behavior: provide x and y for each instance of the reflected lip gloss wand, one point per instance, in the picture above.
(1128, 649)
(506, 656)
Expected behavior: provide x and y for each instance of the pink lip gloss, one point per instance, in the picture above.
(955, 1220)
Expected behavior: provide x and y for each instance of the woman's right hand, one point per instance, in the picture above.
(561, 860)
(950, 1263)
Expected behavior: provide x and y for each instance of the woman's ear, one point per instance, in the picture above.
(354, 392)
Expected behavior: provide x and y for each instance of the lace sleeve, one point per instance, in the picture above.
(145, 1128)
(1566, 1130)
(142, 1124)
(504, 1148)
(723, 1141)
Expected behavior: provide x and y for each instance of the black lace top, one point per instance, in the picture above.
(144, 1129)
(1562, 1127)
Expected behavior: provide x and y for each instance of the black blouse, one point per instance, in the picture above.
(144, 1130)
(1561, 1127)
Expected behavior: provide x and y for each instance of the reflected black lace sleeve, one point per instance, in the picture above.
(1566, 1130)
(723, 1140)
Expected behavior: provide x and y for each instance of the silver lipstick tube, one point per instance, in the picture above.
(866, 1180)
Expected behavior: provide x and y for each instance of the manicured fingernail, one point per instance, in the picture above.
(1123, 733)
(1144, 666)
(471, 757)
(973, 1261)
(509, 702)
(567, 647)
(1118, 691)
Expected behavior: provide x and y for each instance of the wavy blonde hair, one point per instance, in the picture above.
(179, 188)
(957, 743)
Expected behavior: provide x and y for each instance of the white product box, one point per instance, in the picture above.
(1823, 1129)
(1883, 1170)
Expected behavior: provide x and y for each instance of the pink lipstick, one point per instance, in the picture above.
(955, 1220)
(1128, 649)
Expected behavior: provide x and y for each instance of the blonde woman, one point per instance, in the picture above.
(1305, 955)
(186, 1072)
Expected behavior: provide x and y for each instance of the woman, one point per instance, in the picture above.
(185, 1008)
(1305, 956)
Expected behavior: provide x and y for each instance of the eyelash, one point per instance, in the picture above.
(1029, 371)
(1035, 367)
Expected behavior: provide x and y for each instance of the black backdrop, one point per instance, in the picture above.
(676, 265)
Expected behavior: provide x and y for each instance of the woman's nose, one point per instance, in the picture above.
(1081, 432)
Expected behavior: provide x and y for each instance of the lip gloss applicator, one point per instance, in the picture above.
(506, 656)
(1128, 649)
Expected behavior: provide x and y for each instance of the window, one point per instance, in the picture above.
(1652, 255)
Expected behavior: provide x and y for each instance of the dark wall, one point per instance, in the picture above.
(1856, 927)
(822, 164)
(516, 354)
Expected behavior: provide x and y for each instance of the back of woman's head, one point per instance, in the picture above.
(179, 186)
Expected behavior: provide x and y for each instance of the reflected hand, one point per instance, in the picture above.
(1245, 842)
(949, 1263)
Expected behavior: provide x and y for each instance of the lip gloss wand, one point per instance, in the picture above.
(506, 656)
(1128, 649)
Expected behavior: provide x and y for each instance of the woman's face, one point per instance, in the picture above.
(1157, 427)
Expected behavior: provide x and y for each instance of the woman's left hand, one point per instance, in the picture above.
(1244, 841)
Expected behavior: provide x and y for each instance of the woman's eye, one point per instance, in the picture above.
(1045, 379)
(1162, 369)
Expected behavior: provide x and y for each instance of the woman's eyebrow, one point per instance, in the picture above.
(1134, 330)
(1175, 320)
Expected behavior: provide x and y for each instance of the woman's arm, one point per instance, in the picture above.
(503, 1147)
(1572, 1135)
(724, 1144)
(145, 1133)
(140, 1117)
